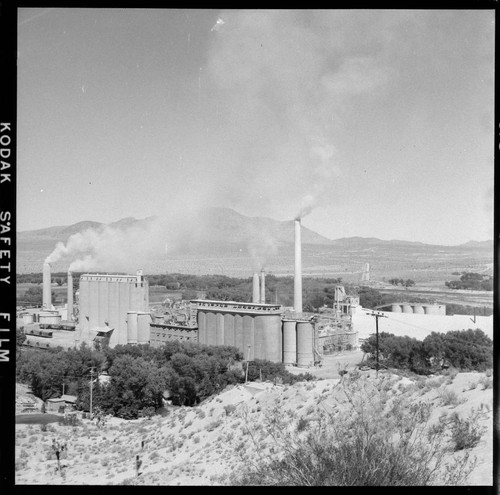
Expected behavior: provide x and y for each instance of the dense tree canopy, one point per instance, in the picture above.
(463, 349)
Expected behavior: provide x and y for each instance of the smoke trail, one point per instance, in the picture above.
(290, 78)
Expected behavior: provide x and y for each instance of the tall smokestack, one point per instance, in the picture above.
(255, 291)
(297, 282)
(46, 301)
(262, 287)
(70, 296)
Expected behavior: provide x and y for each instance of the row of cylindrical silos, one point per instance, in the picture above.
(298, 342)
(138, 329)
(427, 309)
(257, 336)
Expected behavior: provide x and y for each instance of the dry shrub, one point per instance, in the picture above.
(366, 440)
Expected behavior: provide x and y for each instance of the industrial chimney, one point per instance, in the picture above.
(46, 301)
(262, 287)
(70, 296)
(297, 282)
(255, 287)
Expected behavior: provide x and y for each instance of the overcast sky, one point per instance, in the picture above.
(371, 123)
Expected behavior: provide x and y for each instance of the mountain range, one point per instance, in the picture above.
(224, 236)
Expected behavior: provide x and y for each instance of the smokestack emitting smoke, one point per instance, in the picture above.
(46, 301)
(297, 282)
(255, 292)
(262, 287)
(70, 296)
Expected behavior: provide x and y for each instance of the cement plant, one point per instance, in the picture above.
(111, 310)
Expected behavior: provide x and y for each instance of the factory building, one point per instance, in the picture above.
(109, 307)
(167, 332)
(114, 309)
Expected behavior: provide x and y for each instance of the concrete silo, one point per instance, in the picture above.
(407, 308)
(289, 341)
(229, 330)
(396, 308)
(305, 343)
(418, 309)
(143, 327)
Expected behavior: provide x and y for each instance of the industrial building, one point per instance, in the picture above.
(113, 308)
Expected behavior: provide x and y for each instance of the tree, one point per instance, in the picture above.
(135, 385)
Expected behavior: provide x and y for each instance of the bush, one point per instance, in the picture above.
(466, 433)
(363, 441)
(450, 397)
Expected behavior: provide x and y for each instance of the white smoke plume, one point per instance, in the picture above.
(287, 80)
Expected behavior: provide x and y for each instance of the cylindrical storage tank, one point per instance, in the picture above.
(69, 304)
(132, 323)
(202, 327)
(432, 309)
(305, 343)
(219, 329)
(46, 287)
(442, 309)
(28, 318)
(289, 341)
(396, 308)
(248, 338)
(143, 328)
(407, 308)
(418, 309)
(259, 337)
(273, 343)
(238, 333)
(229, 329)
(211, 329)
(255, 288)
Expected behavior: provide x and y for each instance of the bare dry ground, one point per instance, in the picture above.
(204, 444)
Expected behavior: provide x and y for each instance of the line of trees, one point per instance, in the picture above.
(141, 376)
(466, 350)
(472, 281)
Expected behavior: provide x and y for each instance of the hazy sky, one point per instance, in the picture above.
(380, 123)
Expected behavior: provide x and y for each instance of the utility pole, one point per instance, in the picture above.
(474, 320)
(248, 359)
(91, 387)
(377, 316)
